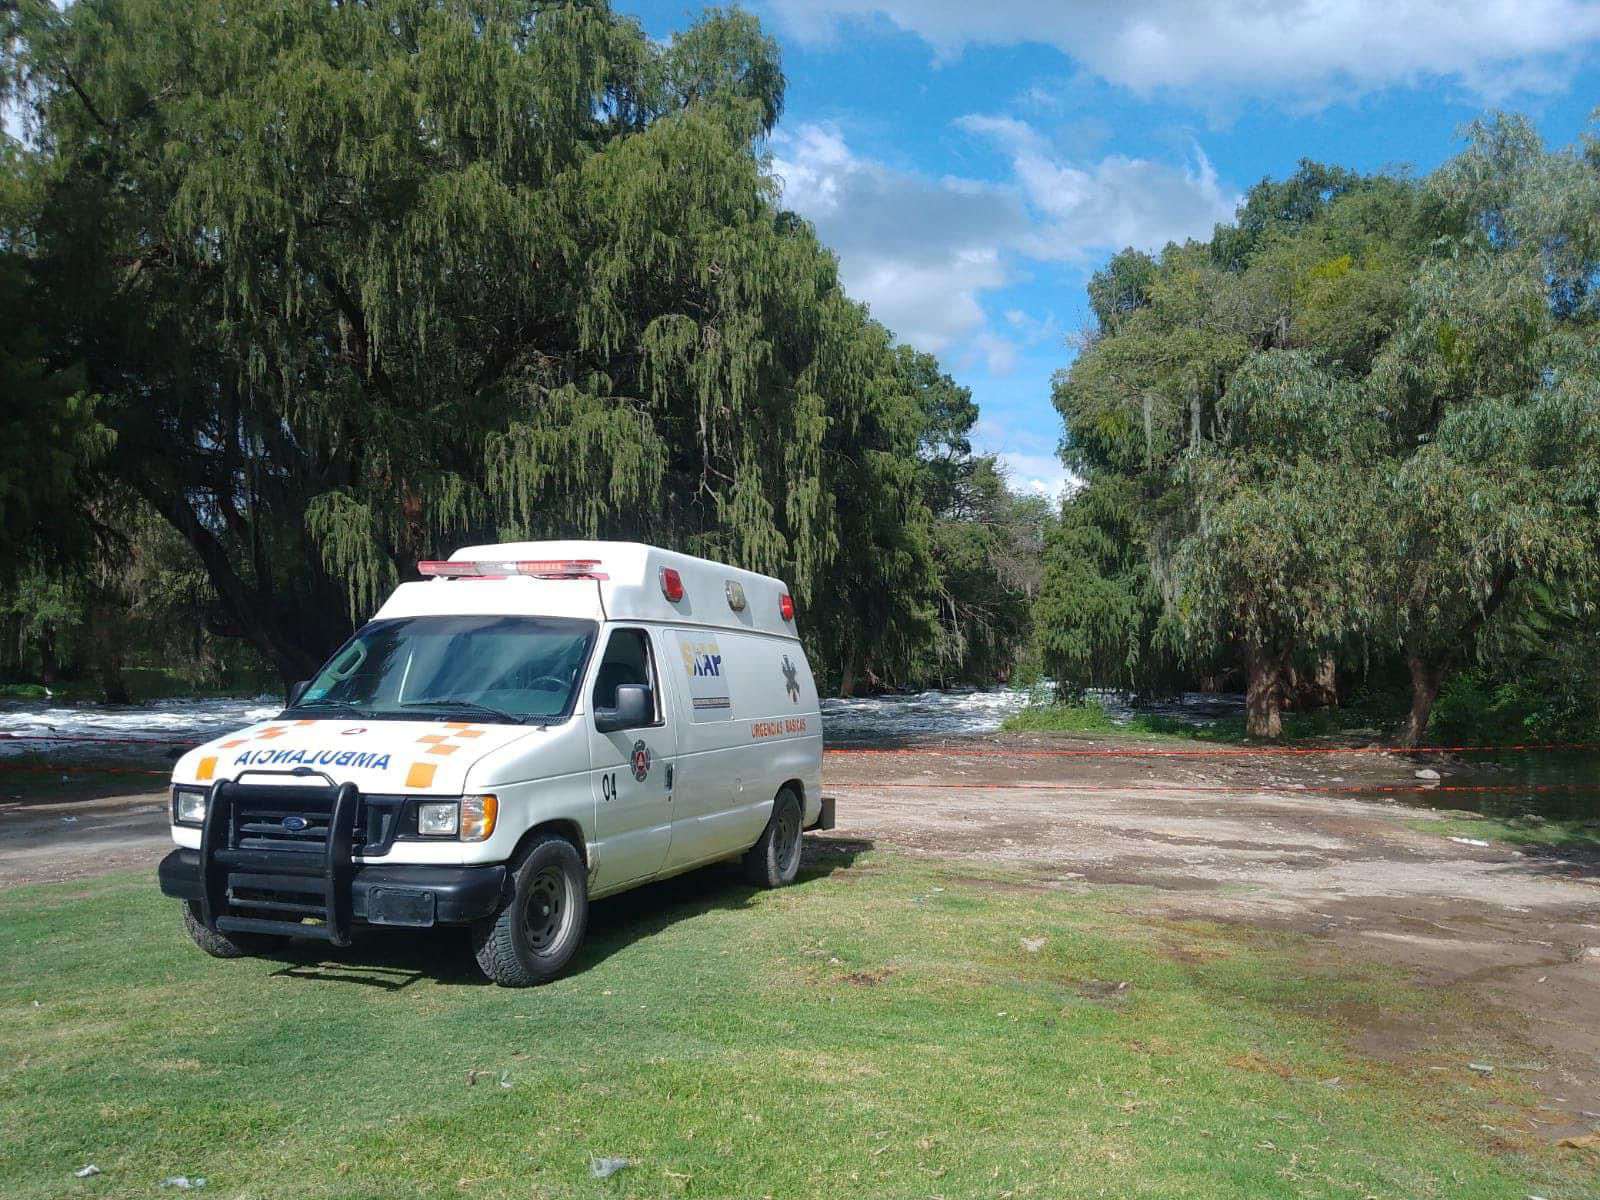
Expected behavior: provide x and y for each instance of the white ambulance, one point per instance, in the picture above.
(536, 725)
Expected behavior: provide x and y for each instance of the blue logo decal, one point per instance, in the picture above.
(295, 823)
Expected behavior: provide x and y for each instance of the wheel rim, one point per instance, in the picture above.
(788, 837)
(547, 910)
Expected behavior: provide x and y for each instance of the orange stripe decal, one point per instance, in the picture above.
(207, 767)
(442, 749)
(420, 775)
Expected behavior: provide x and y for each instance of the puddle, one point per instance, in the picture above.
(1554, 784)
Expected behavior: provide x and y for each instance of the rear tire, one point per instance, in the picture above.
(775, 858)
(225, 945)
(541, 925)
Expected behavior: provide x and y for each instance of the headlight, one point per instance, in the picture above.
(478, 814)
(437, 820)
(188, 807)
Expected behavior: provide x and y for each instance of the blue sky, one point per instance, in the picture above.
(973, 163)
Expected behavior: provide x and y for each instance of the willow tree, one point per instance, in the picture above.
(360, 282)
(1490, 384)
(1282, 557)
(1430, 350)
(49, 431)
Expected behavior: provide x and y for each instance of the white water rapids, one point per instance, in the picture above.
(860, 721)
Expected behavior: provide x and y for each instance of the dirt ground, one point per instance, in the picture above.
(1262, 840)
(1267, 841)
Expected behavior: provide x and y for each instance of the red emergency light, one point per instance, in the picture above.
(786, 606)
(671, 584)
(556, 568)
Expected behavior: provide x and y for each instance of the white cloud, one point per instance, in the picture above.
(1318, 52)
(1026, 455)
(999, 354)
(920, 251)
(1037, 474)
(1086, 209)
(1033, 330)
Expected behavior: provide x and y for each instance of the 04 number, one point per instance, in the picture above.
(608, 785)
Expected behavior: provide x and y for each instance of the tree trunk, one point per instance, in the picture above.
(288, 641)
(1427, 676)
(1263, 697)
(10, 646)
(1319, 689)
(48, 667)
(105, 639)
(1327, 681)
(847, 675)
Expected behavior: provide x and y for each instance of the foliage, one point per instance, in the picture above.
(1084, 716)
(1359, 422)
(986, 548)
(361, 283)
(1098, 616)
(1280, 552)
(135, 619)
(50, 431)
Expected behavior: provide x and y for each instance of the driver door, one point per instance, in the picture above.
(630, 769)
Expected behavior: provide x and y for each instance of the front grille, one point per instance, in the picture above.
(262, 875)
(259, 814)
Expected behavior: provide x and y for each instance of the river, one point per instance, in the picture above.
(863, 721)
(1547, 783)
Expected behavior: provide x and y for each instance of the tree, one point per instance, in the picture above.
(1362, 420)
(1282, 557)
(50, 433)
(360, 283)
(1491, 385)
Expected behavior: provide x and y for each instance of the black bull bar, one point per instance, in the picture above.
(281, 858)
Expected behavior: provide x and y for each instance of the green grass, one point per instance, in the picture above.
(1090, 717)
(1086, 717)
(878, 1030)
(22, 691)
(1581, 836)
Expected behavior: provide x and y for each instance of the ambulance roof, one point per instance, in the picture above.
(629, 587)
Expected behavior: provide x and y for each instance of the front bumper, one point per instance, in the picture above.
(399, 894)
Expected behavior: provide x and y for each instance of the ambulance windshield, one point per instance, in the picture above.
(454, 668)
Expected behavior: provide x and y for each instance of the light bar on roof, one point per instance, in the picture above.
(554, 568)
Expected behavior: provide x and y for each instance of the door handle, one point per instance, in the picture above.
(669, 777)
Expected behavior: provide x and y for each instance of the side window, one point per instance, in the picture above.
(627, 660)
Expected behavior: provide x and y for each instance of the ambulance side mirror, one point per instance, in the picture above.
(636, 706)
(297, 690)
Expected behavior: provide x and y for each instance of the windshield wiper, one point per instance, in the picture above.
(473, 705)
(326, 703)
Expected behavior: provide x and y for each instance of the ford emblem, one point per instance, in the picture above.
(295, 823)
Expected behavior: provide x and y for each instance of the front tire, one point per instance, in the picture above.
(541, 925)
(225, 945)
(775, 858)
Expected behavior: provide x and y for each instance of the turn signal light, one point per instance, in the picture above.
(786, 606)
(671, 584)
(478, 815)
